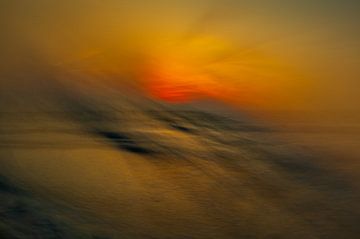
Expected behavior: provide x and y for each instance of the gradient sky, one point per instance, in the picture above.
(253, 54)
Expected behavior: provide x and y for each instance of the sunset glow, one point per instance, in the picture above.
(179, 119)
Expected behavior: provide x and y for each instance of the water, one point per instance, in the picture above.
(85, 166)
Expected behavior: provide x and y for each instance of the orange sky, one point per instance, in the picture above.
(253, 54)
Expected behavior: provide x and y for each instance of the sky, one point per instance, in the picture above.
(267, 55)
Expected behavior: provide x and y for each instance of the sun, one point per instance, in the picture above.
(178, 73)
(210, 67)
(172, 82)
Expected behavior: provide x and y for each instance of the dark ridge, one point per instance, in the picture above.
(49, 229)
(123, 142)
(24, 216)
(6, 187)
(94, 120)
(181, 128)
(19, 209)
(199, 119)
(114, 136)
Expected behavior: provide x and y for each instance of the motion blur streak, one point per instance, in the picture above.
(179, 119)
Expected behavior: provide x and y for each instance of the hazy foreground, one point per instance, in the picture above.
(76, 165)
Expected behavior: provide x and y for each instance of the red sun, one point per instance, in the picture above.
(170, 86)
(171, 92)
